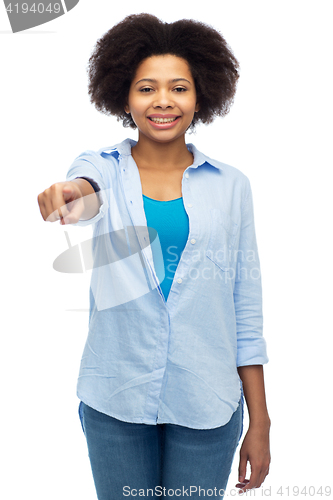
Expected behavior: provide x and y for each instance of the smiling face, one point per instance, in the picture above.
(162, 98)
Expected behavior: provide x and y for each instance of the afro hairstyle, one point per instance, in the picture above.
(118, 53)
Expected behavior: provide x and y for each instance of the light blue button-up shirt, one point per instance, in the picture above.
(147, 360)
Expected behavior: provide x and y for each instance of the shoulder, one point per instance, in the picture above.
(111, 153)
(225, 171)
(121, 149)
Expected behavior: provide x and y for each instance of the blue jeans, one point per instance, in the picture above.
(163, 460)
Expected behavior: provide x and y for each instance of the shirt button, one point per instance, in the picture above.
(193, 241)
(190, 205)
(179, 280)
(186, 175)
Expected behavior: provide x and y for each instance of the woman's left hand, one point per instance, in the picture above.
(255, 449)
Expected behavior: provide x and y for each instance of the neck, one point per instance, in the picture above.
(159, 155)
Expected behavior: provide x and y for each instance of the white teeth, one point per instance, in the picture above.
(163, 120)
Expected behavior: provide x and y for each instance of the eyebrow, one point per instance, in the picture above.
(152, 80)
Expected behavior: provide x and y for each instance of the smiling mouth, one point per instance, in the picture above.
(163, 120)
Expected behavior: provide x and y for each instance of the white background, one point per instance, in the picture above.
(278, 133)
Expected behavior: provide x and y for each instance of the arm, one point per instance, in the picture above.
(255, 446)
(251, 350)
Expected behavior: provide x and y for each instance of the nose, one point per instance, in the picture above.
(163, 100)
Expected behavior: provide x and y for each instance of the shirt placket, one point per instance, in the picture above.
(181, 274)
(133, 198)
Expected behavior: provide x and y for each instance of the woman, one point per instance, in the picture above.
(175, 325)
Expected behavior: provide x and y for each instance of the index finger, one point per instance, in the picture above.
(242, 484)
(253, 482)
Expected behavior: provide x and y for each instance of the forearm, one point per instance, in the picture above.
(252, 377)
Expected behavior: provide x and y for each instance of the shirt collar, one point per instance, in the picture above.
(124, 149)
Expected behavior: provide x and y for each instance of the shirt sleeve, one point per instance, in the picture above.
(251, 345)
(87, 165)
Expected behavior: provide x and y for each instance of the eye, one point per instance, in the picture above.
(146, 90)
(180, 89)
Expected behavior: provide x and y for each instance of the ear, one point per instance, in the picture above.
(127, 110)
(197, 107)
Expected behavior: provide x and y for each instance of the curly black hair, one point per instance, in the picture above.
(118, 53)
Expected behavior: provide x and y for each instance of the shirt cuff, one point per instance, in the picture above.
(251, 352)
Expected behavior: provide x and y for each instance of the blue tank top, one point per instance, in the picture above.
(170, 220)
